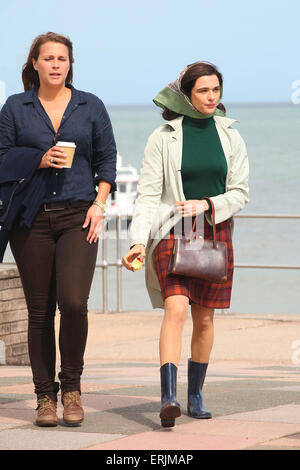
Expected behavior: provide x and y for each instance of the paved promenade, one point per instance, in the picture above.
(252, 390)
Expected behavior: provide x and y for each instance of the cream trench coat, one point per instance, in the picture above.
(160, 186)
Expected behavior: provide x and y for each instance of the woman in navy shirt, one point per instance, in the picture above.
(56, 255)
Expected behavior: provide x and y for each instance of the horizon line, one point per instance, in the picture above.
(232, 103)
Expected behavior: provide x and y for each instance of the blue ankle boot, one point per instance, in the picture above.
(170, 407)
(196, 376)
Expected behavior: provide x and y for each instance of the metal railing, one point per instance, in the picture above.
(104, 265)
(118, 264)
(267, 216)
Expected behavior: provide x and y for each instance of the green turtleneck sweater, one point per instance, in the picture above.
(204, 166)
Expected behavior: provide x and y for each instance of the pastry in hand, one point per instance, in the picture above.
(137, 264)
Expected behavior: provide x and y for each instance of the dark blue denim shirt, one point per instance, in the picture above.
(24, 123)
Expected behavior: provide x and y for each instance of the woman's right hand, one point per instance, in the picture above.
(136, 250)
(54, 158)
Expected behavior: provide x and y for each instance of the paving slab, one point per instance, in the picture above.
(205, 434)
(279, 414)
(23, 439)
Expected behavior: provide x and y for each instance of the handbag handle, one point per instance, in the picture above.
(213, 221)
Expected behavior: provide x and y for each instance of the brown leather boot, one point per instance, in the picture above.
(73, 412)
(46, 412)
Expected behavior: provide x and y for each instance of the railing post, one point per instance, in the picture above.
(119, 264)
(104, 273)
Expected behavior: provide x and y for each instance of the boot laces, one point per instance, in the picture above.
(45, 403)
(71, 398)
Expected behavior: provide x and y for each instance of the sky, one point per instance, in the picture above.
(127, 51)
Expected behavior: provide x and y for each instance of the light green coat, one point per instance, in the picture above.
(160, 186)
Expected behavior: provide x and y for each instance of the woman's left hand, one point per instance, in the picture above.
(191, 207)
(94, 219)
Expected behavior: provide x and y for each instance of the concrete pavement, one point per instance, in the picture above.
(252, 389)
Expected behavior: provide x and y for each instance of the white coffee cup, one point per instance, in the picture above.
(69, 149)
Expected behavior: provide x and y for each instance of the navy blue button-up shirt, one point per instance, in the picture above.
(25, 123)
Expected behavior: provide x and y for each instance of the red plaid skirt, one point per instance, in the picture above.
(205, 293)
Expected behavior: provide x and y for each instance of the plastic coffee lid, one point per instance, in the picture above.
(66, 144)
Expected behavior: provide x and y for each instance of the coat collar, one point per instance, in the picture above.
(176, 124)
(222, 124)
(175, 135)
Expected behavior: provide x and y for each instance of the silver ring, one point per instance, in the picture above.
(51, 160)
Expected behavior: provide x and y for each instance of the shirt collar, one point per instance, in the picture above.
(77, 96)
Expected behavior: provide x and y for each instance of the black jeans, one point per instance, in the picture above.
(56, 266)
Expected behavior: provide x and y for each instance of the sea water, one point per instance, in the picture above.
(271, 133)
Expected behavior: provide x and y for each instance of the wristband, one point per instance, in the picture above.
(100, 204)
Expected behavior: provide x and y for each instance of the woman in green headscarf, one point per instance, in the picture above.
(197, 154)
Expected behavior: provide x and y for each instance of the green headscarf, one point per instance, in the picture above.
(172, 98)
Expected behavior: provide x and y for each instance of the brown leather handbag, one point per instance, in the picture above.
(193, 256)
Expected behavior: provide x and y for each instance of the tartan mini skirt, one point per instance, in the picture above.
(205, 293)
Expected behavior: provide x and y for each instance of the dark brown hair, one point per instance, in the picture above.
(194, 71)
(30, 76)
